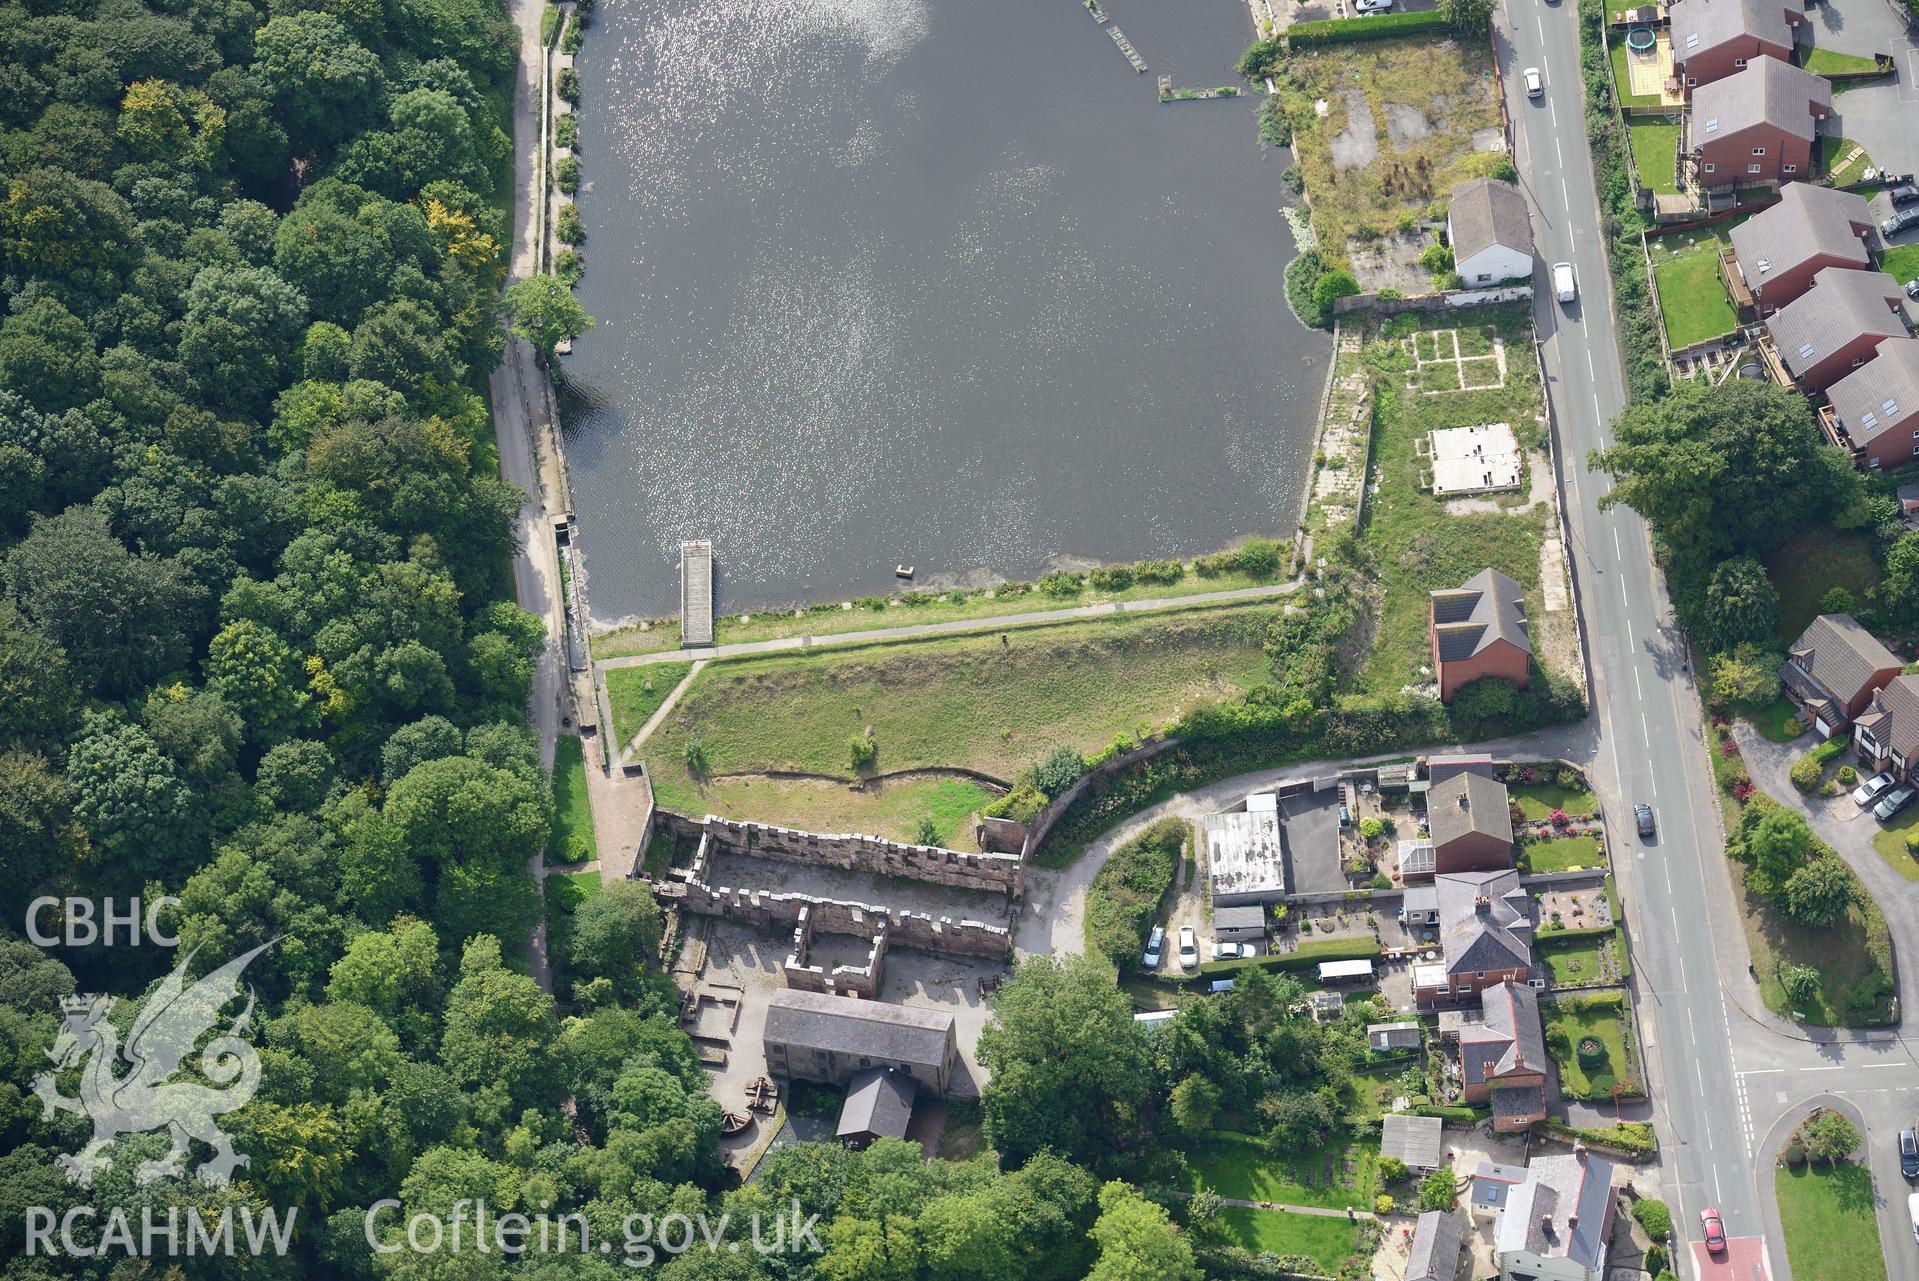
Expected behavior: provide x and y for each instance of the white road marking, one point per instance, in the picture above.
(1567, 197)
(1591, 372)
(1637, 683)
(1837, 1067)
(1561, 153)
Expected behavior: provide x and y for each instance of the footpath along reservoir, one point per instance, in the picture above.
(941, 284)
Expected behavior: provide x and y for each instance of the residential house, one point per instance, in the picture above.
(1490, 232)
(1502, 1057)
(1437, 1238)
(1479, 629)
(1833, 670)
(1711, 39)
(1781, 248)
(879, 1104)
(1485, 937)
(1555, 1225)
(1886, 734)
(1757, 125)
(1837, 325)
(1874, 410)
(1470, 820)
(814, 1036)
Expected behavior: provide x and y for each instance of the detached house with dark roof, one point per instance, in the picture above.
(1711, 39)
(1837, 325)
(813, 1036)
(1874, 410)
(1470, 818)
(1886, 734)
(1781, 248)
(1502, 1057)
(1555, 1225)
(1756, 125)
(1833, 670)
(1485, 937)
(1490, 232)
(1479, 629)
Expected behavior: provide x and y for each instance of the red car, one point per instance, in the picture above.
(1715, 1230)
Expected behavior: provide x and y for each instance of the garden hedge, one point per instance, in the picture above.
(1383, 26)
(1308, 955)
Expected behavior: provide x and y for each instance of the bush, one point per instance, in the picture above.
(695, 756)
(569, 267)
(1255, 558)
(862, 752)
(1305, 35)
(1806, 773)
(1023, 804)
(567, 226)
(571, 40)
(1302, 275)
(1062, 768)
(1124, 899)
(568, 85)
(566, 174)
(1062, 586)
(1383, 1203)
(1654, 1217)
(1370, 827)
(1158, 571)
(1655, 1260)
(1333, 286)
(1847, 776)
(1111, 578)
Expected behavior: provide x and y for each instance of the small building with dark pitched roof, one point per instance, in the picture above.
(1470, 819)
(1757, 125)
(1479, 629)
(1711, 39)
(1437, 1238)
(1781, 248)
(1490, 232)
(1833, 670)
(1874, 410)
(1504, 1053)
(1485, 937)
(879, 1105)
(813, 1036)
(1834, 327)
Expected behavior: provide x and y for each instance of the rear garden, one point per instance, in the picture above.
(1588, 1039)
(1901, 263)
(1655, 153)
(1805, 569)
(1328, 1242)
(1693, 303)
(1342, 1176)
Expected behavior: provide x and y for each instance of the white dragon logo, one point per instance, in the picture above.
(145, 1098)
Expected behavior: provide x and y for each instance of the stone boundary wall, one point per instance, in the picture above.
(1058, 806)
(845, 980)
(992, 873)
(1428, 303)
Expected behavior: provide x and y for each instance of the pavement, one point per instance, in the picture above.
(1877, 115)
(1724, 1071)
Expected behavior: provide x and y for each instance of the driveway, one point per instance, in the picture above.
(1877, 115)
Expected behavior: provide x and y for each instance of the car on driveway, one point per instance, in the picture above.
(1894, 803)
(1872, 789)
(1715, 1229)
(1912, 287)
(1372, 6)
(1234, 951)
(1900, 221)
(1909, 1154)
(1188, 948)
(1642, 815)
(1903, 192)
(1154, 943)
(1535, 83)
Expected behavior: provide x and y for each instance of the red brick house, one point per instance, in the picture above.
(1757, 125)
(1833, 670)
(1712, 39)
(1837, 325)
(1470, 818)
(1886, 734)
(1504, 1055)
(1485, 938)
(1874, 410)
(1479, 629)
(1783, 247)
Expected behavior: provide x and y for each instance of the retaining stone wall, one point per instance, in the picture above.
(845, 980)
(992, 873)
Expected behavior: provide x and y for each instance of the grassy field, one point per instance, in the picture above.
(1902, 263)
(1827, 1216)
(873, 612)
(1890, 841)
(635, 693)
(973, 703)
(1839, 953)
(1655, 153)
(1832, 159)
(1398, 181)
(1564, 852)
(1622, 81)
(1826, 62)
(1596, 1082)
(1242, 1169)
(1805, 569)
(1418, 543)
(572, 840)
(1328, 1242)
(1537, 801)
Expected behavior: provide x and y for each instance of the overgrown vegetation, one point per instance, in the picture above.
(1124, 899)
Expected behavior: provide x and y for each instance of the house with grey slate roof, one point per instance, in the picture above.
(1874, 410)
(1437, 1238)
(1469, 818)
(1479, 629)
(1485, 937)
(1833, 670)
(879, 1105)
(1782, 247)
(1502, 1057)
(1834, 327)
(1490, 232)
(1756, 126)
(1711, 39)
(814, 1036)
(1886, 734)
(1555, 1225)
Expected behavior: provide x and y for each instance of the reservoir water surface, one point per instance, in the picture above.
(926, 282)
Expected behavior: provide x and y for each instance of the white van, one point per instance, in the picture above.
(1912, 1212)
(1564, 287)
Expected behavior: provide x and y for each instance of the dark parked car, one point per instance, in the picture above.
(1894, 803)
(1642, 814)
(1904, 192)
(1909, 1154)
(1912, 287)
(1900, 221)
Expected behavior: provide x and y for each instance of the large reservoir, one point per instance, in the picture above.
(927, 282)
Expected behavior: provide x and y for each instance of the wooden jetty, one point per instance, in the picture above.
(696, 593)
(1126, 47)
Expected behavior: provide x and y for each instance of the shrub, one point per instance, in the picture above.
(569, 266)
(566, 174)
(1383, 1203)
(696, 762)
(1124, 898)
(1806, 773)
(862, 751)
(1022, 804)
(1158, 571)
(567, 226)
(1255, 558)
(1305, 35)
(1333, 286)
(571, 40)
(1063, 586)
(1111, 578)
(1847, 776)
(568, 85)
(1370, 827)
(566, 131)
(1654, 1217)
(1655, 1260)
(1062, 768)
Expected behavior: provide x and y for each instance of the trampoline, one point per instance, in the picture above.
(1640, 39)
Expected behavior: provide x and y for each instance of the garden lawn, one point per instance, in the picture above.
(1692, 297)
(1826, 1214)
(1902, 263)
(1578, 1081)
(1826, 62)
(1241, 1169)
(1398, 182)
(1833, 163)
(1537, 801)
(1890, 841)
(1622, 81)
(1563, 852)
(635, 693)
(1839, 953)
(1778, 721)
(978, 704)
(572, 839)
(1326, 1241)
(1655, 153)
(1805, 569)
(1419, 544)
(1580, 963)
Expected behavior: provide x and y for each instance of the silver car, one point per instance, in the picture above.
(1872, 789)
(1188, 947)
